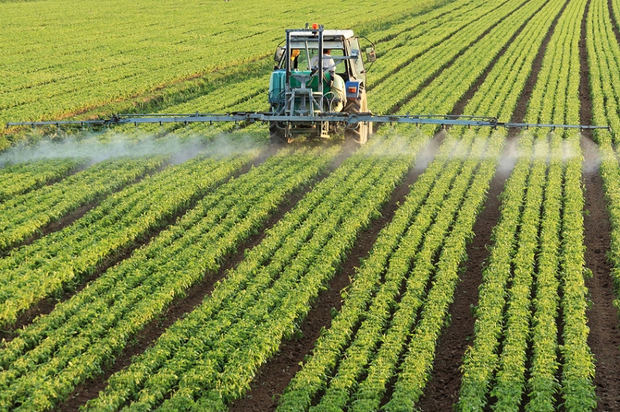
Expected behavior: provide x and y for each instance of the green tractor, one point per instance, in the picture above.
(303, 85)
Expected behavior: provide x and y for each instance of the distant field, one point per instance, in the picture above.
(61, 57)
(197, 267)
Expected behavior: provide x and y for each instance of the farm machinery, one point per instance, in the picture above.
(317, 89)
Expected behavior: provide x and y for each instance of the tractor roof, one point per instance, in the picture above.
(326, 33)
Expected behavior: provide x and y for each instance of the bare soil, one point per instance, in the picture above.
(273, 377)
(45, 306)
(604, 337)
(603, 317)
(195, 295)
(610, 6)
(441, 392)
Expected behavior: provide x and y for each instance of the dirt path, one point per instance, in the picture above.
(45, 306)
(442, 389)
(604, 337)
(274, 376)
(610, 7)
(194, 296)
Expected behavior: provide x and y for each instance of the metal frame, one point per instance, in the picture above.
(324, 117)
(312, 101)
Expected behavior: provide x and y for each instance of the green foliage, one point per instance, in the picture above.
(22, 177)
(21, 217)
(86, 332)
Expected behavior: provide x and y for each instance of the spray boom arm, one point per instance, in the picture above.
(347, 118)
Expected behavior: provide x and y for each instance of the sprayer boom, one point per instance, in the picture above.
(331, 117)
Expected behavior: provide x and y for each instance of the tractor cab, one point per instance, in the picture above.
(318, 71)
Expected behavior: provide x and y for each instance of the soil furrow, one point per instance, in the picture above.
(273, 377)
(604, 336)
(77, 213)
(614, 23)
(396, 107)
(443, 387)
(194, 296)
(47, 305)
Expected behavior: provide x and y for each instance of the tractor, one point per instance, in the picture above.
(303, 84)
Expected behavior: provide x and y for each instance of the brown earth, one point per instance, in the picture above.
(273, 377)
(194, 296)
(614, 25)
(604, 337)
(441, 392)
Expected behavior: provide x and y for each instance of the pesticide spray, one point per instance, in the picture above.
(93, 150)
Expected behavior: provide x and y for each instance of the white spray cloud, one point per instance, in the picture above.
(94, 150)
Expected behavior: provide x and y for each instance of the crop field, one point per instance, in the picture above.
(199, 267)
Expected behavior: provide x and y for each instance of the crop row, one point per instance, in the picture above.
(401, 237)
(546, 232)
(249, 87)
(249, 94)
(514, 66)
(59, 261)
(215, 351)
(480, 359)
(373, 348)
(409, 30)
(425, 38)
(506, 78)
(400, 85)
(358, 345)
(22, 177)
(86, 332)
(604, 66)
(21, 217)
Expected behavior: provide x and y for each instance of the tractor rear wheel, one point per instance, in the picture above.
(360, 132)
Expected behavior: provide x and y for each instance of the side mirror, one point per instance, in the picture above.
(371, 55)
(278, 54)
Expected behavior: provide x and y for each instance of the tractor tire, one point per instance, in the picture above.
(361, 132)
(276, 135)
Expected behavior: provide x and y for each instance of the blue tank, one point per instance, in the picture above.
(277, 87)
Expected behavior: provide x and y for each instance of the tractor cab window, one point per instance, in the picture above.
(340, 65)
(302, 59)
(301, 62)
(356, 64)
